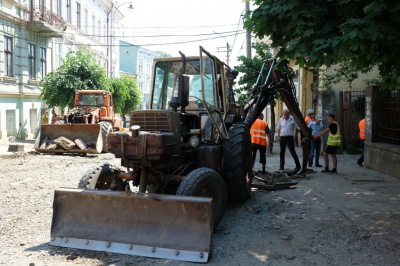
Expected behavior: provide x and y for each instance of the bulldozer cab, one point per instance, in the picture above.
(96, 99)
(90, 100)
(207, 89)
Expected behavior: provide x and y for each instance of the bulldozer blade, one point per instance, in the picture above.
(150, 225)
(89, 133)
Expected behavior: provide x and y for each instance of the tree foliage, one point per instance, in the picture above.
(364, 34)
(163, 54)
(126, 94)
(250, 68)
(79, 71)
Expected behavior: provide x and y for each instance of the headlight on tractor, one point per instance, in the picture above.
(194, 141)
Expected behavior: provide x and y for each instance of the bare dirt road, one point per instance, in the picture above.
(352, 218)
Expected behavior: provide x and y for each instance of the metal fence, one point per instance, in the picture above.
(352, 110)
(389, 130)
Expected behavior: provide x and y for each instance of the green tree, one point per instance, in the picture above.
(364, 34)
(79, 71)
(163, 54)
(249, 68)
(126, 95)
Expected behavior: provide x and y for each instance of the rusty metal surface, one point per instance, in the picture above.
(209, 156)
(89, 133)
(162, 221)
(147, 145)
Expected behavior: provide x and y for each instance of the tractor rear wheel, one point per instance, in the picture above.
(99, 177)
(237, 162)
(106, 128)
(205, 182)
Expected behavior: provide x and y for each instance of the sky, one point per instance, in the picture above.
(184, 25)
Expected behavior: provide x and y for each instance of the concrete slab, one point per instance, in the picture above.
(28, 146)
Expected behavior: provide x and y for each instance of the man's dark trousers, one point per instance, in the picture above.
(288, 141)
(315, 147)
(361, 159)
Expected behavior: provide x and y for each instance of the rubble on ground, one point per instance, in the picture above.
(63, 143)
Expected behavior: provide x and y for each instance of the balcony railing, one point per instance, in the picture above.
(45, 21)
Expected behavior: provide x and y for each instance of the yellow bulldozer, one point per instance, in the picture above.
(84, 129)
(181, 161)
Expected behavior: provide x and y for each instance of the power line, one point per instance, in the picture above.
(237, 28)
(244, 39)
(180, 27)
(150, 44)
(158, 36)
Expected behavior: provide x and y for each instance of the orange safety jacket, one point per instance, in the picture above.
(361, 125)
(257, 131)
(308, 120)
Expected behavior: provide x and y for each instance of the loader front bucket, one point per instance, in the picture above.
(90, 134)
(150, 225)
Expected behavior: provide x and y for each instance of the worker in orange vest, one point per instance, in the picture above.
(259, 132)
(309, 117)
(361, 126)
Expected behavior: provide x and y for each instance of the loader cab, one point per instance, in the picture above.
(166, 84)
(207, 98)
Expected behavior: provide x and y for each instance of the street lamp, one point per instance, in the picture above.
(110, 46)
(228, 49)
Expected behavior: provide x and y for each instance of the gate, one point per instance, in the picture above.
(389, 129)
(352, 110)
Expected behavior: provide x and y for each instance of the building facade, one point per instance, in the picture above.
(25, 58)
(137, 61)
(34, 38)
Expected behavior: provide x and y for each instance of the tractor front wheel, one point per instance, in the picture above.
(99, 177)
(205, 182)
(106, 128)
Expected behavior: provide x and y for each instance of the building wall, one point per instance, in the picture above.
(344, 85)
(145, 64)
(98, 18)
(128, 58)
(138, 62)
(20, 104)
(356, 83)
(379, 156)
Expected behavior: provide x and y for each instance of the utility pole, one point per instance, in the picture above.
(111, 38)
(227, 53)
(110, 21)
(248, 35)
(228, 48)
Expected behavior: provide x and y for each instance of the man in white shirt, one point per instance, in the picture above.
(286, 131)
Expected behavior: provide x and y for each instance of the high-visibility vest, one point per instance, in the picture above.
(308, 120)
(257, 131)
(361, 125)
(45, 119)
(334, 139)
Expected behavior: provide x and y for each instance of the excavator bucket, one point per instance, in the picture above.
(88, 134)
(150, 225)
